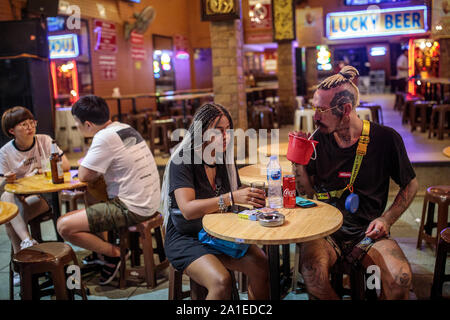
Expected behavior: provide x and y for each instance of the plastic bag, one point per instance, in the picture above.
(232, 249)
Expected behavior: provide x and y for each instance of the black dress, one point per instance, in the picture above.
(182, 246)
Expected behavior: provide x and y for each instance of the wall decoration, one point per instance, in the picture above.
(106, 36)
(309, 26)
(220, 10)
(283, 20)
(440, 18)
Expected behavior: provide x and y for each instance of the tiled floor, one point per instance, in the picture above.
(404, 231)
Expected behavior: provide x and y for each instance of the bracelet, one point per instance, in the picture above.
(231, 199)
(222, 206)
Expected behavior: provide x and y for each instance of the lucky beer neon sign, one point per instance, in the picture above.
(374, 23)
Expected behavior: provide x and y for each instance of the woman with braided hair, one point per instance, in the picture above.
(360, 194)
(196, 184)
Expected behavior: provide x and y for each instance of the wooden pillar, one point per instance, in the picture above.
(228, 72)
(287, 82)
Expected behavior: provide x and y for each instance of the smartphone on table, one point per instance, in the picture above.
(304, 203)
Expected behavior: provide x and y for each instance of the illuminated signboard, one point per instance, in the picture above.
(374, 23)
(63, 46)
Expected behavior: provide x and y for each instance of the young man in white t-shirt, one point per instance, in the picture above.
(402, 70)
(121, 155)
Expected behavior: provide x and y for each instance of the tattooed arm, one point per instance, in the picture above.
(303, 181)
(400, 204)
(402, 201)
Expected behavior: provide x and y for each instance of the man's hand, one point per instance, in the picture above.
(378, 228)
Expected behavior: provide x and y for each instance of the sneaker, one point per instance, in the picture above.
(28, 243)
(16, 279)
(92, 259)
(111, 268)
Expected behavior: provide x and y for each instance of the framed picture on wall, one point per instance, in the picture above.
(213, 10)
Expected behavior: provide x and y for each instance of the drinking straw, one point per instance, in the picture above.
(313, 133)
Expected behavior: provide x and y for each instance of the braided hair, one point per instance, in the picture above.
(343, 77)
(205, 116)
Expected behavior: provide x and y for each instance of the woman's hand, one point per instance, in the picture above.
(10, 177)
(252, 196)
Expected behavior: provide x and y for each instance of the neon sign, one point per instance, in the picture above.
(63, 46)
(374, 23)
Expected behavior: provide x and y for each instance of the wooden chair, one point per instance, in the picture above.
(442, 112)
(139, 122)
(49, 257)
(409, 100)
(358, 289)
(161, 129)
(70, 199)
(419, 114)
(150, 269)
(439, 276)
(263, 118)
(196, 292)
(439, 195)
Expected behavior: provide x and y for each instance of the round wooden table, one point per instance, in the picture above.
(8, 211)
(446, 151)
(258, 172)
(39, 184)
(281, 151)
(300, 225)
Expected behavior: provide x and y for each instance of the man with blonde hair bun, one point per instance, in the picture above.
(354, 164)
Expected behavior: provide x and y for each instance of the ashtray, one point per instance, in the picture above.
(271, 219)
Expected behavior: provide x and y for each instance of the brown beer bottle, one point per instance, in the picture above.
(56, 165)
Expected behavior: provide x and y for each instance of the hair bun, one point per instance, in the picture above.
(349, 72)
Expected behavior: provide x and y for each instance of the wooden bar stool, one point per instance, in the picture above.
(70, 198)
(139, 122)
(196, 292)
(409, 100)
(439, 195)
(442, 113)
(358, 289)
(161, 129)
(439, 276)
(49, 257)
(151, 268)
(419, 114)
(376, 111)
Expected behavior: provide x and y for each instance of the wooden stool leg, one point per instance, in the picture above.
(422, 222)
(124, 234)
(150, 268)
(441, 221)
(439, 270)
(26, 287)
(159, 244)
(59, 282)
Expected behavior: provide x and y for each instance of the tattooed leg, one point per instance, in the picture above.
(316, 258)
(395, 271)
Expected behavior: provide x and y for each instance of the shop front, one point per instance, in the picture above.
(373, 40)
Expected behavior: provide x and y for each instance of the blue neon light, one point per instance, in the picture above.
(377, 51)
(63, 46)
(376, 33)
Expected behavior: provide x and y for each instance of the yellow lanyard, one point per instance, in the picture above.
(360, 153)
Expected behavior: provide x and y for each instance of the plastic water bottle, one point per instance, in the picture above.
(275, 195)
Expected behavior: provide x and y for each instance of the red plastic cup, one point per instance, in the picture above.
(300, 149)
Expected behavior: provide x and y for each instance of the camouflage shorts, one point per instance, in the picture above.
(111, 215)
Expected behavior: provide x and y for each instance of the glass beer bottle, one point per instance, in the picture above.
(56, 165)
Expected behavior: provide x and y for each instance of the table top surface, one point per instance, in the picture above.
(40, 184)
(300, 225)
(446, 151)
(258, 172)
(187, 96)
(437, 80)
(7, 211)
(282, 149)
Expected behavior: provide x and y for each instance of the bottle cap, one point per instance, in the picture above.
(273, 157)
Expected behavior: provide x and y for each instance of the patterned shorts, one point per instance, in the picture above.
(111, 215)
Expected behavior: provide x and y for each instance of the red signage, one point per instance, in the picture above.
(107, 67)
(260, 14)
(137, 46)
(106, 36)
